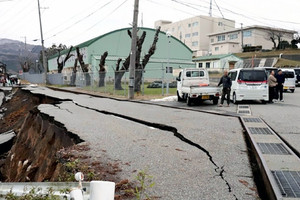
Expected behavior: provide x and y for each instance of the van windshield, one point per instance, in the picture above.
(289, 74)
(253, 75)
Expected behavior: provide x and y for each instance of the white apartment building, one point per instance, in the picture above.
(228, 42)
(194, 31)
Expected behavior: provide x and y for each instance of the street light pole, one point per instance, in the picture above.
(168, 67)
(43, 48)
(133, 50)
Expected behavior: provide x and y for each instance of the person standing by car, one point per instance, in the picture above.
(279, 88)
(272, 82)
(226, 82)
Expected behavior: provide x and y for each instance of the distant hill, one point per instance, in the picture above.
(13, 51)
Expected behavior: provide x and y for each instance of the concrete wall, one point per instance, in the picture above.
(33, 78)
(55, 79)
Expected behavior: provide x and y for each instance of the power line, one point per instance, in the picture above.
(219, 9)
(71, 18)
(77, 22)
(120, 5)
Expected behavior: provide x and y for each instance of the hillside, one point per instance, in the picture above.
(290, 54)
(12, 52)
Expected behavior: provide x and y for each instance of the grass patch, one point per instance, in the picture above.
(148, 92)
(273, 53)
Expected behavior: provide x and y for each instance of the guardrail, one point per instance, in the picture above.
(94, 190)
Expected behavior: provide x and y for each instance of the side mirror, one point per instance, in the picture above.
(178, 79)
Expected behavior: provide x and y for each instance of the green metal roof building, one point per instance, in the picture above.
(117, 43)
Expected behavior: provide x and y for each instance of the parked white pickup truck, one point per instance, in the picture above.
(193, 86)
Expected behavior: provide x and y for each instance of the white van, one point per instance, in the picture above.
(290, 80)
(249, 84)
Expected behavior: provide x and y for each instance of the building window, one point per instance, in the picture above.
(195, 24)
(194, 44)
(220, 23)
(187, 35)
(195, 34)
(247, 33)
(212, 40)
(233, 36)
(179, 27)
(221, 38)
(216, 48)
(200, 65)
(207, 65)
(173, 29)
(189, 25)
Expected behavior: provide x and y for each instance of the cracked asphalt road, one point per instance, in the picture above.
(133, 135)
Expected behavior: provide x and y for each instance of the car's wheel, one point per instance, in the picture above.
(178, 97)
(263, 102)
(234, 98)
(292, 90)
(215, 101)
(188, 101)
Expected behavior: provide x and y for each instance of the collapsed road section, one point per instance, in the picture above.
(136, 137)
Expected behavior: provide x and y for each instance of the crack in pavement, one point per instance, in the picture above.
(219, 170)
(57, 105)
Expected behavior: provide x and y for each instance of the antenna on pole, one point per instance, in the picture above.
(210, 9)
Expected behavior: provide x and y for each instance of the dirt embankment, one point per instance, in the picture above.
(39, 138)
(44, 150)
(32, 157)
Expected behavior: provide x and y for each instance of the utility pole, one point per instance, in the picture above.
(133, 50)
(210, 8)
(43, 48)
(242, 37)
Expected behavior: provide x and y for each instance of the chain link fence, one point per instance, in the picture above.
(157, 81)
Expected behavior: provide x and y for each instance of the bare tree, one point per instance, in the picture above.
(102, 70)
(141, 67)
(74, 71)
(84, 67)
(60, 65)
(120, 73)
(276, 38)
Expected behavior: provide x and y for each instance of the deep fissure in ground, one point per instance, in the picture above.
(219, 170)
(14, 120)
(44, 150)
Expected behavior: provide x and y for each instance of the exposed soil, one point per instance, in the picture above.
(44, 150)
(17, 109)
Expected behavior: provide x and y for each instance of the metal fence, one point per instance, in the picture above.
(153, 81)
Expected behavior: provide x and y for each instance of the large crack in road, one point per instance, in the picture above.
(218, 169)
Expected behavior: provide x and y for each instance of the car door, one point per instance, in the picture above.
(233, 75)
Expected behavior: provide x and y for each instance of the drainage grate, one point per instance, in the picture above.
(243, 106)
(288, 182)
(244, 111)
(252, 120)
(273, 148)
(264, 131)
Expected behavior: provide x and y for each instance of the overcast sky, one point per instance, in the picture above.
(72, 21)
